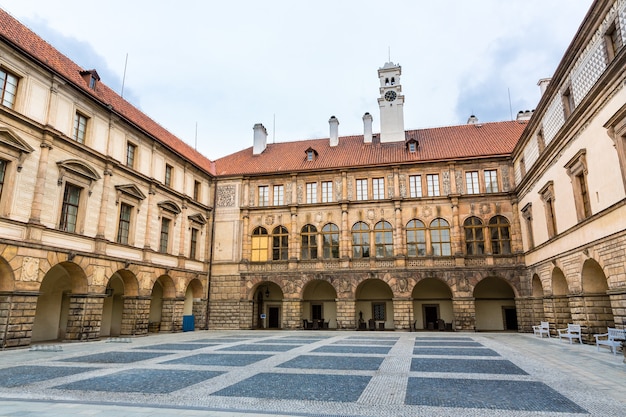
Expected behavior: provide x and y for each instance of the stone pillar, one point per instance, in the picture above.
(85, 317)
(455, 235)
(149, 218)
(17, 315)
(104, 203)
(399, 240)
(525, 316)
(346, 314)
(516, 230)
(292, 314)
(172, 315)
(135, 316)
(464, 310)
(183, 232)
(344, 246)
(618, 305)
(40, 182)
(198, 309)
(402, 313)
(294, 235)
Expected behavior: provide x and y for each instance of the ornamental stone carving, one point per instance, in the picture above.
(300, 194)
(287, 193)
(446, 182)
(403, 186)
(390, 186)
(226, 196)
(506, 185)
(338, 189)
(427, 212)
(30, 269)
(458, 179)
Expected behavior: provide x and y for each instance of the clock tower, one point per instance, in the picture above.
(391, 103)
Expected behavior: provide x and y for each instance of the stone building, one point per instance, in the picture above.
(106, 219)
(104, 216)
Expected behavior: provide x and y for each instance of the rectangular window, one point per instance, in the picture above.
(547, 195)
(168, 175)
(327, 191)
(311, 192)
(577, 171)
(80, 128)
(131, 150)
(165, 234)
(491, 181)
(415, 186)
(471, 182)
(527, 214)
(123, 227)
(279, 195)
(584, 195)
(264, 196)
(196, 190)
(432, 182)
(378, 188)
(378, 311)
(193, 246)
(568, 102)
(3, 170)
(69, 209)
(361, 189)
(8, 88)
(612, 41)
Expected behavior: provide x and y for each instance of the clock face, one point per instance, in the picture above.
(390, 95)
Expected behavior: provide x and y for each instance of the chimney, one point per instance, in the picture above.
(367, 128)
(543, 84)
(334, 131)
(472, 120)
(524, 115)
(260, 139)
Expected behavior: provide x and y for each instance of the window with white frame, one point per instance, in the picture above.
(264, 196)
(432, 184)
(378, 188)
(491, 181)
(327, 191)
(124, 223)
(279, 195)
(311, 192)
(415, 186)
(80, 127)
(8, 88)
(471, 182)
(361, 189)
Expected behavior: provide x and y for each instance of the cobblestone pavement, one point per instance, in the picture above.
(314, 373)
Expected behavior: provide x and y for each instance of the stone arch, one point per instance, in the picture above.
(267, 300)
(432, 304)
(162, 289)
(596, 311)
(194, 305)
(52, 314)
(7, 277)
(122, 284)
(537, 287)
(558, 305)
(559, 282)
(537, 299)
(374, 303)
(319, 306)
(494, 300)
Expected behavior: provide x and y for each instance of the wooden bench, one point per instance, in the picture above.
(613, 338)
(572, 332)
(543, 328)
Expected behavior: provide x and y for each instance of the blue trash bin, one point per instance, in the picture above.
(188, 323)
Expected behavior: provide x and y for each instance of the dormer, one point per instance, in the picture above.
(412, 145)
(311, 154)
(91, 77)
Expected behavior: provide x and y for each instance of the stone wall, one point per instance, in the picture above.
(17, 314)
(85, 317)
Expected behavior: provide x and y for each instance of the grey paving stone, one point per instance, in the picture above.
(289, 341)
(177, 346)
(378, 350)
(152, 381)
(454, 351)
(23, 375)
(350, 363)
(366, 342)
(116, 357)
(373, 337)
(219, 359)
(491, 394)
(223, 340)
(336, 388)
(469, 366)
(447, 343)
(445, 338)
(260, 348)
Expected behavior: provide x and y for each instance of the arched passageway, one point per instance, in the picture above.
(432, 305)
(557, 307)
(494, 299)
(319, 308)
(267, 306)
(374, 305)
(160, 318)
(596, 311)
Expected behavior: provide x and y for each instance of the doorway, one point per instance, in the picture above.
(431, 315)
(510, 318)
(273, 320)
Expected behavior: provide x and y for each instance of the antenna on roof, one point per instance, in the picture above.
(274, 130)
(389, 53)
(195, 145)
(124, 77)
(510, 106)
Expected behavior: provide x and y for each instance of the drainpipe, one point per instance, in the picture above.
(208, 289)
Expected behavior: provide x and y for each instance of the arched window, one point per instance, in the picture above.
(280, 244)
(330, 241)
(474, 236)
(309, 242)
(440, 237)
(360, 240)
(415, 238)
(383, 239)
(260, 240)
(500, 235)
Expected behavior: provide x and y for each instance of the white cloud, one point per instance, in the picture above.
(229, 65)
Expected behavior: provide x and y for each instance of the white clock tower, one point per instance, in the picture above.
(391, 103)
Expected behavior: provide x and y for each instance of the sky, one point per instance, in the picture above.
(208, 70)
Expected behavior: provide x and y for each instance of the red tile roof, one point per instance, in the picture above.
(444, 143)
(22, 38)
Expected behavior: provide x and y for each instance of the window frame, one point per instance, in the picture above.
(327, 191)
(439, 244)
(576, 169)
(168, 176)
(124, 225)
(79, 135)
(548, 198)
(165, 234)
(193, 243)
(567, 98)
(474, 231)
(280, 243)
(383, 239)
(197, 190)
(311, 192)
(308, 239)
(329, 248)
(259, 247)
(263, 192)
(66, 206)
(378, 188)
(415, 247)
(472, 185)
(377, 308)
(432, 185)
(5, 74)
(491, 181)
(131, 154)
(278, 194)
(360, 240)
(415, 186)
(361, 189)
(500, 235)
